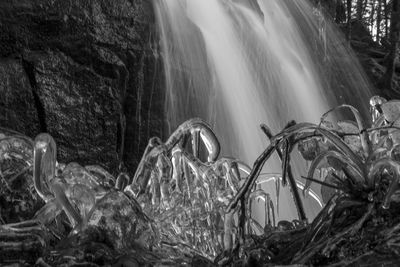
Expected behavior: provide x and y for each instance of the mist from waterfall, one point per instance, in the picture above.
(240, 63)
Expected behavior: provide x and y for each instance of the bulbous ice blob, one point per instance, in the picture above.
(146, 164)
(16, 146)
(353, 141)
(310, 148)
(105, 178)
(44, 165)
(229, 169)
(18, 200)
(72, 211)
(395, 153)
(177, 169)
(82, 197)
(74, 173)
(164, 176)
(375, 107)
(393, 188)
(48, 212)
(391, 110)
(122, 181)
(73, 188)
(195, 127)
(123, 223)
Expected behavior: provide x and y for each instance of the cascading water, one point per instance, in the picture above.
(240, 63)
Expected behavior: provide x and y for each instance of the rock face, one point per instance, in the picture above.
(77, 69)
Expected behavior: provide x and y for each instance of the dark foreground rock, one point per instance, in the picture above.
(75, 69)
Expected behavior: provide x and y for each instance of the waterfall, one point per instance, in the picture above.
(240, 63)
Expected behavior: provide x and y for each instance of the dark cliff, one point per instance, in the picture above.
(77, 69)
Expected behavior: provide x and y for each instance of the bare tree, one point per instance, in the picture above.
(348, 7)
(386, 81)
(372, 17)
(360, 9)
(378, 20)
(387, 7)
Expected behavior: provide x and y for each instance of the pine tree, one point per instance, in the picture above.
(386, 81)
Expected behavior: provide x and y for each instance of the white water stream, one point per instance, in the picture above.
(240, 63)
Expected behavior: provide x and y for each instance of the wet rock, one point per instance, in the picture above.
(80, 68)
(17, 102)
(91, 133)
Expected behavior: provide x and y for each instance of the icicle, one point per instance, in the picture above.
(273, 212)
(44, 165)
(72, 213)
(278, 188)
(393, 187)
(122, 181)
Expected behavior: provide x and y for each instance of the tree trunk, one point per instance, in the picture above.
(360, 9)
(340, 14)
(371, 17)
(348, 6)
(386, 82)
(378, 21)
(386, 19)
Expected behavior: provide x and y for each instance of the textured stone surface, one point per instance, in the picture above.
(74, 69)
(17, 105)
